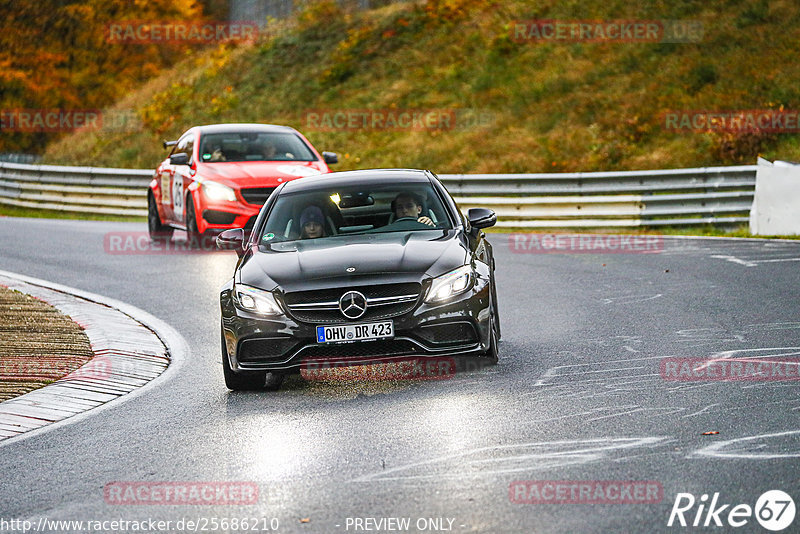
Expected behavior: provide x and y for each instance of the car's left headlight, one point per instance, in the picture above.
(255, 300)
(215, 191)
(450, 284)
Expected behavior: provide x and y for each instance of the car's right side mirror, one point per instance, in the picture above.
(481, 218)
(330, 157)
(232, 239)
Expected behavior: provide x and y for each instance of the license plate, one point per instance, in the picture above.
(355, 332)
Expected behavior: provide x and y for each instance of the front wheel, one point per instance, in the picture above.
(243, 380)
(157, 231)
(492, 353)
(192, 232)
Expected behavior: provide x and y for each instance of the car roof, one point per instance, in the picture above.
(365, 177)
(244, 127)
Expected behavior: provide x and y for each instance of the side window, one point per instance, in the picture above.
(186, 144)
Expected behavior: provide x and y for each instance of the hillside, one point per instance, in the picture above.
(520, 106)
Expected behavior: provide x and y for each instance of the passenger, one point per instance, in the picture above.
(217, 155)
(407, 205)
(311, 223)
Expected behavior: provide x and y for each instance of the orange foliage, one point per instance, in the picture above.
(55, 55)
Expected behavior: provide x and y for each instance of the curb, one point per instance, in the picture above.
(131, 347)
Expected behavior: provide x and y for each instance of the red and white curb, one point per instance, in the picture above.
(130, 347)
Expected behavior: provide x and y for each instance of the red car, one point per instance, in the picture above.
(218, 176)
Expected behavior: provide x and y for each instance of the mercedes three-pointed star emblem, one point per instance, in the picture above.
(353, 304)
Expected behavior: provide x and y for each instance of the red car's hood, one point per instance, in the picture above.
(259, 173)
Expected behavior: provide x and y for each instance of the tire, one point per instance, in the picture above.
(243, 380)
(194, 236)
(492, 353)
(496, 310)
(158, 231)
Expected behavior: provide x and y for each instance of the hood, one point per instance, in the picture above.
(398, 256)
(259, 173)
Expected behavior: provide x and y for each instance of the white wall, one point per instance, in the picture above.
(776, 206)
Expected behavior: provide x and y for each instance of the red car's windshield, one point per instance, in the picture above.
(253, 146)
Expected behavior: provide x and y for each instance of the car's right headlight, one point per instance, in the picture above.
(255, 300)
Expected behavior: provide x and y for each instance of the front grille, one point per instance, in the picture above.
(218, 217)
(449, 333)
(322, 306)
(363, 349)
(264, 349)
(257, 195)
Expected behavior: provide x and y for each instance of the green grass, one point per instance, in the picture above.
(553, 106)
(13, 211)
(550, 107)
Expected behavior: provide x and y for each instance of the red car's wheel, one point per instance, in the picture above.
(192, 232)
(158, 231)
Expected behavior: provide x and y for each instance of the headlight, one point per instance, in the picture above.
(450, 284)
(215, 191)
(255, 300)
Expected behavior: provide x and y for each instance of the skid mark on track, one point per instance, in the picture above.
(701, 411)
(585, 369)
(760, 447)
(520, 457)
(630, 299)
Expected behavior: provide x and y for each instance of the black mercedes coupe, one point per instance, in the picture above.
(355, 267)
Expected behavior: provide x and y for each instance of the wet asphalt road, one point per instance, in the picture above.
(577, 396)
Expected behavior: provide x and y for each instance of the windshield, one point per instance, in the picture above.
(253, 146)
(343, 211)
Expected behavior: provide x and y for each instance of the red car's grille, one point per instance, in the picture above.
(257, 195)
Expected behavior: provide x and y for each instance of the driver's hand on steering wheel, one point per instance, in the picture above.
(426, 220)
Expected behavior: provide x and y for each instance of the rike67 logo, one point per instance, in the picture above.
(774, 510)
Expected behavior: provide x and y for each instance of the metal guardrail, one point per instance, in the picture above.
(713, 195)
(75, 189)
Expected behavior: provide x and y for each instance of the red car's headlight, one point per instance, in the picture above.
(215, 191)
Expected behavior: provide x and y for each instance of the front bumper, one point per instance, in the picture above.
(223, 215)
(455, 328)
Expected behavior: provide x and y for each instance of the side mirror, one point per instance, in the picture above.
(232, 239)
(179, 159)
(330, 157)
(481, 218)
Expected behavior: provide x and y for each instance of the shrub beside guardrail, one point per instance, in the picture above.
(713, 195)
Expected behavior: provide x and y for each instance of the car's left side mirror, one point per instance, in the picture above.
(481, 218)
(330, 157)
(180, 158)
(232, 239)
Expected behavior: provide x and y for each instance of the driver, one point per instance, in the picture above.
(408, 205)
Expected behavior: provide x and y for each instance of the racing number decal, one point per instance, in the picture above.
(165, 196)
(177, 196)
